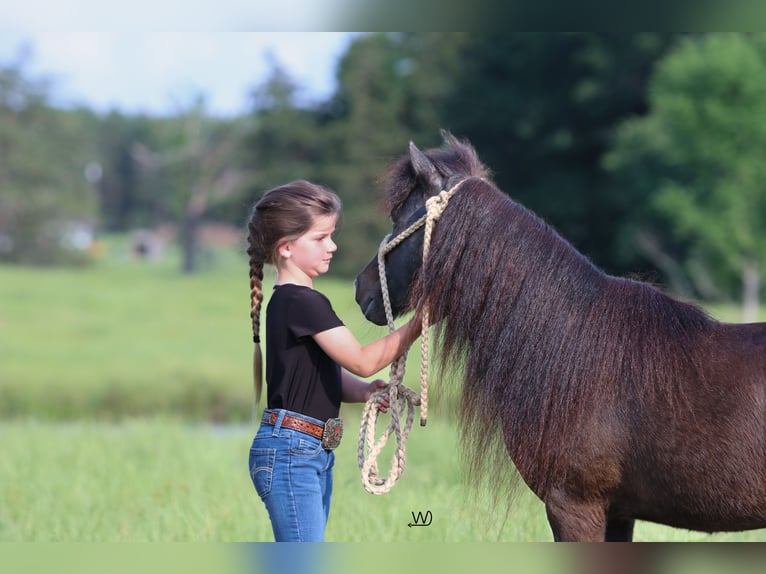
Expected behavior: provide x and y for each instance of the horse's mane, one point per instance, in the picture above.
(541, 339)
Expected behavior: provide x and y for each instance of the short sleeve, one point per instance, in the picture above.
(310, 312)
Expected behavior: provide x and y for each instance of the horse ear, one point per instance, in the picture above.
(424, 168)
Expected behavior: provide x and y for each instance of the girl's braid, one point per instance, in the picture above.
(256, 299)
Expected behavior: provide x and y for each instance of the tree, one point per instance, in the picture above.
(194, 170)
(283, 141)
(541, 109)
(390, 91)
(704, 139)
(367, 131)
(124, 201)
(44, 195)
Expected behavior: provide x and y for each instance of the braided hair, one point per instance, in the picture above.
(283, 213)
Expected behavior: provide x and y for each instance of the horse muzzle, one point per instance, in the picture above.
(369, 299)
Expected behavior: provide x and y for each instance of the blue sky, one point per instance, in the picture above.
(159, 72)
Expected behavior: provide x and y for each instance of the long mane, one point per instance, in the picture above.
(538, 337)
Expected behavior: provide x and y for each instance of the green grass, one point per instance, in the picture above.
(129, 338)
(137, 481)
(168, 481)
(163, 480)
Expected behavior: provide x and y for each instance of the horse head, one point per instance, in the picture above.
(409, 182)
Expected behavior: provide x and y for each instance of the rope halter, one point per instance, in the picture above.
(400, 397)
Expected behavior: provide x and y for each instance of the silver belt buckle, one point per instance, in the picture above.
(333, 432)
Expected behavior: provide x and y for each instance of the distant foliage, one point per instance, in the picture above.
(641, 149)
(697, 159)
(48, 209)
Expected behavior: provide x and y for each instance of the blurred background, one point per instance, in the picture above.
(643, 150)
(129, 164)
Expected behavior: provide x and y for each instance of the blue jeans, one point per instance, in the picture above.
(292, 474)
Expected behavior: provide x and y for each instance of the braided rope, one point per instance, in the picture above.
(400, 396)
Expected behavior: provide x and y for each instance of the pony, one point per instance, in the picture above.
(614, 401)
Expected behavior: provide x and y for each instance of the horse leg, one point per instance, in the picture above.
(574, 520)
(619, 530)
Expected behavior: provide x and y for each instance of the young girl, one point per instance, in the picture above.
(311, 359)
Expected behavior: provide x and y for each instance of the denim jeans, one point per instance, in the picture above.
(292, 474)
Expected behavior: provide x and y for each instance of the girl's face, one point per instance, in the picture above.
(309, 255)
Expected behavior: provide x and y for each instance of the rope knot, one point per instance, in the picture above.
(436, 204)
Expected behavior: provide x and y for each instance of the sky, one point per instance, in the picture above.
(161, 72)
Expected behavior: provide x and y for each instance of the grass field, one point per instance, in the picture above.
(170, 481)
(131, 338)
(125, 401)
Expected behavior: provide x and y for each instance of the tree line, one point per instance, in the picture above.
(642, 149)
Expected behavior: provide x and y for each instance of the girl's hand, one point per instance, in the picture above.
(382, 399)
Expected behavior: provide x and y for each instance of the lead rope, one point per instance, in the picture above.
(400, 396)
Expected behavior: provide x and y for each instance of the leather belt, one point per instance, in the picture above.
(295, 423)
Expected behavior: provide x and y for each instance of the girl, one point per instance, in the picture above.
(311, 359)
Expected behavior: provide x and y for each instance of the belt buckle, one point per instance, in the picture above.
(333, 432)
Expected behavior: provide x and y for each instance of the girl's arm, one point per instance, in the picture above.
(359, 391)
(365, 360)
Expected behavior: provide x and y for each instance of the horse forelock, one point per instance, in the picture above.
(543, 340)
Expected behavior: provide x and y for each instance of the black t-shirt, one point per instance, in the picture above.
(300, 376)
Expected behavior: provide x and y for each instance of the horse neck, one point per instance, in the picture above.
(490, 251)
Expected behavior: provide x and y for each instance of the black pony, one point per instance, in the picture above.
(614, 401)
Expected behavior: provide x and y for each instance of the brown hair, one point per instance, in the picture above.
(285, 212)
